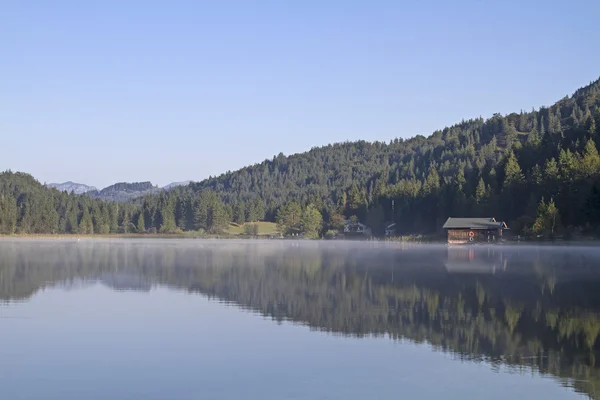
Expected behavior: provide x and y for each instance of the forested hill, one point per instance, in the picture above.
(501, 166)
(537, 170)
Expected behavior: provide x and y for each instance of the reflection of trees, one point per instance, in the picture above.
(509, 317)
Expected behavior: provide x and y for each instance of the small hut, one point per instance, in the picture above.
(474, 230)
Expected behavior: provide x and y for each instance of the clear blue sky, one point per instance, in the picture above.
(104, 91)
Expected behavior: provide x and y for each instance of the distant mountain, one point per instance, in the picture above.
(176, 184)
(124, 191)
(77, 188)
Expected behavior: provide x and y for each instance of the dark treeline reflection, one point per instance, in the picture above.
(516, 306)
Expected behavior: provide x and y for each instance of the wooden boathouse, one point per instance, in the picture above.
(474, 230)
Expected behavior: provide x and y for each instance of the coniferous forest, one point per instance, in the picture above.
(539, 171)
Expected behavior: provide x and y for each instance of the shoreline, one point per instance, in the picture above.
(405, 240)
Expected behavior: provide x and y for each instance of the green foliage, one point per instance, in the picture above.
(8, 215)
(311, 221)
(141, 224)
(209, 213)
(293, 220)
(590, 164)
(239, 212)
(513, 174)
(355, 199)
(336, 222)
(289, 219)
(86, 226)
(251, 229)
(330, 234)
(548, 218)
(166, 215)
(432, 183)
(255, 210)
(126, 223)
(551, 170)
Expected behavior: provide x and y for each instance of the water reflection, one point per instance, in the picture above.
(516, 308)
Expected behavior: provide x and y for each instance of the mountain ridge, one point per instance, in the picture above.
(120, 191)
(70, 186)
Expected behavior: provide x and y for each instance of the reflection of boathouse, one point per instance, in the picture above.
(474, 230)
(474, 260)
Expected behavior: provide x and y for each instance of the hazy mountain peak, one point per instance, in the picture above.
(69, 186)
(175, 184)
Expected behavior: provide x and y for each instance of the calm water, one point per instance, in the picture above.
(279, 320)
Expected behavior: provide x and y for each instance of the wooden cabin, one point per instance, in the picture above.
(474, 230)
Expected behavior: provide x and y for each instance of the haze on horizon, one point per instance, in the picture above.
(167, 92)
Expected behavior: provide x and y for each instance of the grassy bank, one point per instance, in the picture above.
(264, 228)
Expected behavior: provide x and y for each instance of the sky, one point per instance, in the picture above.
(99, 92)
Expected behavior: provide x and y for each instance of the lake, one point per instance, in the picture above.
(191, 319)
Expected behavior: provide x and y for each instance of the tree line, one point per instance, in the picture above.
(539, 171)
(28, 207)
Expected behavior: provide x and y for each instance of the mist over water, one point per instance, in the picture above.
(187, 319)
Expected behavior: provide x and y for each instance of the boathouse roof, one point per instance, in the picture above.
(473, 223)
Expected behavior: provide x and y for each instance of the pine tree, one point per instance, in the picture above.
(432, 184)
(239, 213)
(72, 219)
(533, 139)
(311, 221)
(342, 203)
(590, 164)
(113, 211)
(534, 123)
(542, 126)
(257, 210)
(536, 176)
(86, 226)
(551, 172)
(493, 179)
(513, 174)
(181, 211)
(592, 128)
(289, 219)
(355, 199)
(126, 222)
(480, 192)
(548, 219)
(522, 122)
(167, 215)
(8, 214)
(209, 213)
(510, 135)
(96, 217)
(554, 125)
(567, 164)
(218, 218)
(141, 224)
